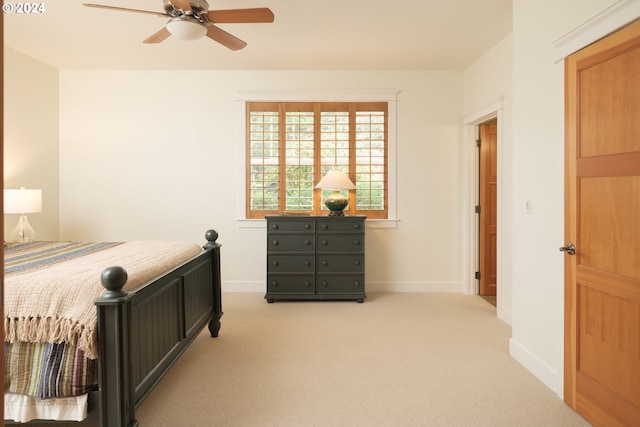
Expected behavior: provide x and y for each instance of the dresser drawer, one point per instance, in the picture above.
(290, 242)
(327, 284)
(291, 284)
(275, 226)
(340, 226)
(291, 263)
(351, 242)
(346, 263)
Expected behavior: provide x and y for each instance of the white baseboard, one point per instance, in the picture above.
(504, 315)
(549, 376)
(414, 287)
(229, 286)
(408, 287)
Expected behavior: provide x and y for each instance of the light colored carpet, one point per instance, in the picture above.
(396, 360)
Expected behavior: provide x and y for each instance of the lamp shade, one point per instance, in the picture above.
(22, 201)
(186, 28)
(335, 180)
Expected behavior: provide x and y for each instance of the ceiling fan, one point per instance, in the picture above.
(192, 19)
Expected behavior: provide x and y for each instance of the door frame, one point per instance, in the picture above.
(470, 198)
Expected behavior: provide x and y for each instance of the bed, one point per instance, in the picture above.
(89, 343)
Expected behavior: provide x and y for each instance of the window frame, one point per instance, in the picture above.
(388, 96)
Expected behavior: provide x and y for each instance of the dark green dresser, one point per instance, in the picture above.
(315, 258)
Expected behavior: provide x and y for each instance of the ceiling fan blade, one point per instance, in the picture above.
(124, 9)
(185, 5)
(240, 16)
(158, 36)
(224, 38)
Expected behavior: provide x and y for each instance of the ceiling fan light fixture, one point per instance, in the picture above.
(186, 28)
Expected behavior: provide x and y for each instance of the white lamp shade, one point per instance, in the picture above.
(186, 28)
(22, 201)
(336, 180)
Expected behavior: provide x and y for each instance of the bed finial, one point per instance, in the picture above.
(212, 236)
(113, 280)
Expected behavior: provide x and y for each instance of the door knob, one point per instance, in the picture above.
(570, 249)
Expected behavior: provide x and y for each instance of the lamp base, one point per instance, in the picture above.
(336, 202)
(23, 231)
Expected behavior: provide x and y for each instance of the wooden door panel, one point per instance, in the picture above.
(605, 85)
(608, 347)
(609, 236)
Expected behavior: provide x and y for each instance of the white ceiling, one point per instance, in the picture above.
(306, 34)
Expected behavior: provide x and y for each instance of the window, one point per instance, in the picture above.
(291, 145)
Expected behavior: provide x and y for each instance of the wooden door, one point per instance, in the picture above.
(488, 207)
(602, 220)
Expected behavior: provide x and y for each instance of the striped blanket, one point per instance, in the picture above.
(50, 320)
(22, 256)
(48, 370)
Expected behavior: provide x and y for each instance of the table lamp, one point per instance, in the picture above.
(336, 180)
(22, 202)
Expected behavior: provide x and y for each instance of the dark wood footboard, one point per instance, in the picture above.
(143, 332)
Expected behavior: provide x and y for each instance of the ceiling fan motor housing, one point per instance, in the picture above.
(198, 8)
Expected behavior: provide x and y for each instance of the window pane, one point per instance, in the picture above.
(299, 154)
(370, 152)
(263, 160)
(334, 138)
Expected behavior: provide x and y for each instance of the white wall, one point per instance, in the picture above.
(155, 154)
(31, 137)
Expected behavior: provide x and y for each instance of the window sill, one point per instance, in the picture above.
(370, 223)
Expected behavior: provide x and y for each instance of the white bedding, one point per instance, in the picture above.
(22, 408)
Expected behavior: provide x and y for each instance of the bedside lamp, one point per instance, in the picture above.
(336, 180)
(22, 202)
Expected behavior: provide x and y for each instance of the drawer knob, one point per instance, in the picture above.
(356, 226)
(307, 283)
(325, 243)
(356, 283)
(275, 243)
(307, 226)
(276, 263)
(356, 262)
(356, 242)
(325, 226)
(324, 284)
(274, 226)
(307, 262)
(274, 284)
(325, 263)
(307, 242)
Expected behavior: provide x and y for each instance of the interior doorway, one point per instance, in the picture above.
(487, 208)
(492, 112)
